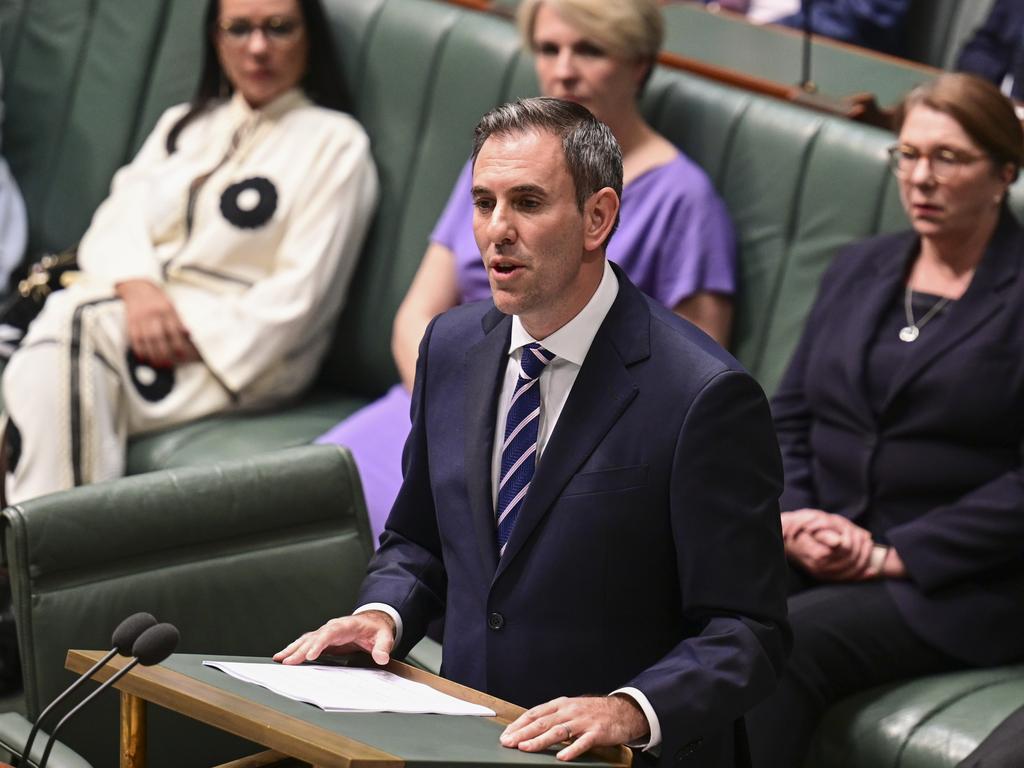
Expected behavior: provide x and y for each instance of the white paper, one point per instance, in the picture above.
(344, 689)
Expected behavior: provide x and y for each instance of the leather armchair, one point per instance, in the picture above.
(241, 556)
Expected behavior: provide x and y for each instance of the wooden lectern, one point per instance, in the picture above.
(298, 734)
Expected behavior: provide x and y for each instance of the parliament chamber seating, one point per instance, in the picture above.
(85, 82)
(241, 556)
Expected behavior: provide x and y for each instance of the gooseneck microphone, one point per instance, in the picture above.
(153, 646)
(124, 637)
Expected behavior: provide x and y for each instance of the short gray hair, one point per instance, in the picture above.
(592, 154)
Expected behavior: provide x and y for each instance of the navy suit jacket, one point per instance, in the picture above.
(648, 550)
(997, 46)
(878, 24)
(937, 472)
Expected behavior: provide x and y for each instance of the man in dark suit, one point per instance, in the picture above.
(623, 535)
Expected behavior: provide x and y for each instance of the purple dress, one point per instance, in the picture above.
(674, 239)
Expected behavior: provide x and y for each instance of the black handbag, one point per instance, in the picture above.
(52, 272)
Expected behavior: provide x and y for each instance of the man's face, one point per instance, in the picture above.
(530, 231)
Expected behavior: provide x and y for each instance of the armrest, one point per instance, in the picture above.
(14, 730)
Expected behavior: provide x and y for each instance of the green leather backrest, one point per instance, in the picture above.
(427, 72)
(242, 557)
(84, 82)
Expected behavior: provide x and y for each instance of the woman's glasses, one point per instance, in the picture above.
(277, 30)
(945, 164)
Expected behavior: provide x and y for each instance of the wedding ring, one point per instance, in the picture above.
(568, 731)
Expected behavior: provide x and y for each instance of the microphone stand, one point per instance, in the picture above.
(806, 83)
(24, 759)
(109, 682)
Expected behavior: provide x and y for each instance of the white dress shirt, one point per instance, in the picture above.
(570, 345)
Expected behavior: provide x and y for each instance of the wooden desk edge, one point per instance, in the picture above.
(237, 715)
(303, 740)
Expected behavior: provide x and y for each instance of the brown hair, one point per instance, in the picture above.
(984, 113)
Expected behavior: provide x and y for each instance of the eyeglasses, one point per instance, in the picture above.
(277, 30)
(944, 164)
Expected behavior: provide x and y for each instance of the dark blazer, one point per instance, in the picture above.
(647, 553)
(937, 472)
(997, 46)
(878, 24)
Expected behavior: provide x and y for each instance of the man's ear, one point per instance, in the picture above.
(599, 215)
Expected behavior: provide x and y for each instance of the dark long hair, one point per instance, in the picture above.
(322, 81)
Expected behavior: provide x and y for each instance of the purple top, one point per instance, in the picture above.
(674, 239)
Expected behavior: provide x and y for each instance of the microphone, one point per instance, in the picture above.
(153, 646)
(124, 637)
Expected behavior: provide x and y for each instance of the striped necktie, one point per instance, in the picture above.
(519, 451)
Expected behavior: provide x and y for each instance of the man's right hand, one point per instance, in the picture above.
(156, 333)
(371, 631)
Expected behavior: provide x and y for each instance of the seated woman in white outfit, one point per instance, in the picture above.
(214, 271)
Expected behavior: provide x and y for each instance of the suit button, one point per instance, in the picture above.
(495, 621)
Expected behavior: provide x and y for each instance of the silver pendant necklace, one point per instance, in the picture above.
(912, 329)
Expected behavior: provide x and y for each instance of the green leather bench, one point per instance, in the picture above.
(241, 556)
(86, 81)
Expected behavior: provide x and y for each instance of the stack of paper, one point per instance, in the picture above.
(341, 689)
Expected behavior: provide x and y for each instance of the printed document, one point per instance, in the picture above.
(345, 689)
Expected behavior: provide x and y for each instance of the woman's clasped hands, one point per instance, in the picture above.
(834, 548)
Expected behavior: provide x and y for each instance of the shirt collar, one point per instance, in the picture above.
(293, 97)
(572, 341)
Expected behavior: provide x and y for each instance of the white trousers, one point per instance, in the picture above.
(74, 394)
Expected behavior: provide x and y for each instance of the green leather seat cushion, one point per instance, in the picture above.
(14, 731)
(241, 434)
(933, 722)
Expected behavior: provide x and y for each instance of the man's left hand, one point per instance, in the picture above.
(585, 721)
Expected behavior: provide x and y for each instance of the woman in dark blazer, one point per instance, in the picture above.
(901, 420)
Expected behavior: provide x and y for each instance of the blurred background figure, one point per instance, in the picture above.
(900, 420)
(213, 273)
(877, 24)
(675, 239)
(996, 49)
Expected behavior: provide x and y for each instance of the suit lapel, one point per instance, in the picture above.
(601, 392)
(485, 366)
(983, 300)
